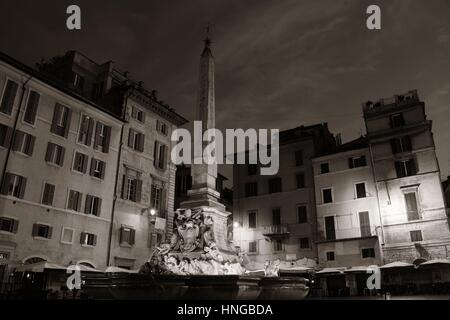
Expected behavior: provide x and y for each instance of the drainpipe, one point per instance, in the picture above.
(16, 120)
(381, 243)
(116, 182)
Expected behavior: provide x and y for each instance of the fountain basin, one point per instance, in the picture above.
(196, 287)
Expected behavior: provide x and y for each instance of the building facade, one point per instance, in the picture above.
(275, 216)
(58, 154)
(413, 215)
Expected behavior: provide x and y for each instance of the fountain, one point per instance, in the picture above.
(198, 262)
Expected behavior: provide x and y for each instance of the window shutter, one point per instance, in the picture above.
(103, 166)
(99, 207)
(88, 204)
(124, 188)
(399, 169)
(60, 156)
(408, 144)
(137, 196)
(30, 144)
(23, 184)
(141, 142)
(92, 168)
(106, 140)
(5, 183)
(48, 153)
(31, 111)
(95, 240)
(8, 137)
(56, 114)
(166, 151)
(162, 205)
(155, 154)
(18, 136)
(35, 231)
(89, 132)
(67, 118)
(15, 226)
(82, 237)
(131, 138)
(50, 232)
(85, 159)
(412, 167)
(9, 97)
(143, 117)
(79, 195)
(97, 138)
(350, 163)
(132, 236)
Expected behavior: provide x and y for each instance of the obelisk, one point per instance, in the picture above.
(203, 195)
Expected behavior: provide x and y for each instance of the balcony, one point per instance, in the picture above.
(276, 231)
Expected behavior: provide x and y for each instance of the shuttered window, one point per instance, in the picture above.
(330, 230)
(80, 162)
(9, 225)
(402, 144)
(13, 185)
(55, 154)
(357, 162)
(160, 155)
(93, 205)
(61, 120)
(416, 235)
(158, 199)
(405, 168)
(6, 134)
(252, 248)
(23, 143)
(131, 188)
(302, 214)
(8, 97)
(412, 209)
(127, 235)
(136, 140)
(48, 194)
(364, 223)
(360, 189)
(86, 130)
(32, 107)
(97, 168)
(42, 231)
(74, 201)
(102, 137)
(88, 239)
(252, 220)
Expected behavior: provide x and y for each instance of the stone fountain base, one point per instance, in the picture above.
(196, 287)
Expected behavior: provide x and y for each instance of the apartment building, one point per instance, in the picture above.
(275, 216)
(413, 215)
(58, 155)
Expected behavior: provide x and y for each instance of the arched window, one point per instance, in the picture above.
(33, 260)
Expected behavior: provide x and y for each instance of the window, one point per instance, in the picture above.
(5, 135)
(416, 235)
(330, 231)
(324, 168)
(9, 95)
(14, 185)
(127, 235)
(304, 243)
(97, 90)
(97, 168)
(252, 247)
(368, 253)
(93, 205)
(161, 127)
(88, 239)
(131, 188)
(327, 195)
(155, 239)
(252, 169)
(402, 144)
(251, 189)
(86, 130)
(160, 155)
(32, 107)
(360, 189)
(252, 220)
(157, 199)
(299, 158)
(9, 225)
(330, 256)
(55, 154)
(138, 114)
(412, 209)
(42, 231)
(302, 214)
(405, 168)
(277, 245)
(78, 81)
(48, 194)
(357, 162)
(276, 217)
(80, 162)
(397, 120)
(23, 143)
(364, 223)
(74, 201)
(102, 137)
(67, 235)
(61, 120)
(300, 177)
(275, 185)
(136, 140)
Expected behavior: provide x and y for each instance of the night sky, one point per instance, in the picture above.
(279, 64)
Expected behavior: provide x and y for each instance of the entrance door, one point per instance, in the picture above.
(335, 285)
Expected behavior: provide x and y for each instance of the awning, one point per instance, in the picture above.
(364, 269)
(397, 264)
(84, 268)
(113, 269)
(39, 267)
(434, 262)
(331, 270)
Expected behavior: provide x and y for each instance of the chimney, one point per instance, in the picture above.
(338, 139)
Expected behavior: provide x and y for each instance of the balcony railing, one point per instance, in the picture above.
(276, 230)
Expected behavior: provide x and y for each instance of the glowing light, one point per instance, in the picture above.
(152, 212)
(236, 224)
